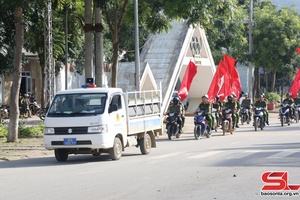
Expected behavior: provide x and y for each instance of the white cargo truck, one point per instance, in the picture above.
(102, 120)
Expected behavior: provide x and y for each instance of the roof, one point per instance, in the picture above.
(90, 90)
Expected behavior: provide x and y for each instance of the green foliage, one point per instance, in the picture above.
(272, 97)
(31, 130)
(275, 36)
(3, 131)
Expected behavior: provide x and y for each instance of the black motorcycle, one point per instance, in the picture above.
(172, 125)
(227, 120)
(244, 115)
(201, 125)
(258, 118)
(284, 113)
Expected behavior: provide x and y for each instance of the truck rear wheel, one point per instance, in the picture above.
(115, 152)
(145, 144)
(61, 154)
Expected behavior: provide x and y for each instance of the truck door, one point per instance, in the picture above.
(118, 118)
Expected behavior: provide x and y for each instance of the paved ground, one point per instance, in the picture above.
(33, 147)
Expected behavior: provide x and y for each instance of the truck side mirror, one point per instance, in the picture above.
(113, 108)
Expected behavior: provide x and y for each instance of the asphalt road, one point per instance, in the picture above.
(221, 167)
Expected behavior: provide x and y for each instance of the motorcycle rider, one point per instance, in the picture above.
(288, 100)
(261, 102)
(175, 107)
(297, 100)
(246, 103)
(182, 111)
(207, 106)
(218, 106)
(25, 103)
(231, 104)
(238, 107)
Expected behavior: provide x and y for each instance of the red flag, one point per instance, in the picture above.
(296, 84)
(225, 90)
(190, 73)
(235, 82)
(216, 82)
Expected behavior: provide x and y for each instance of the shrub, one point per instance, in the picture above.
(31, 131)
(3, 131)
(272, 97)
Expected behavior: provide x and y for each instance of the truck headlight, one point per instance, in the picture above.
(49, 131)
(97, 129)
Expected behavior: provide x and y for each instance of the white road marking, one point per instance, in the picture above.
(243, 154)
(166, 155)
(281, 154)
(206, 154)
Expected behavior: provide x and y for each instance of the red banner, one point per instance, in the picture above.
(216, 83)
(296, 85)
(189, 75)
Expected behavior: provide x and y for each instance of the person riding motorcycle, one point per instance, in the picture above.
(288, 100)
(238, 107)
(175, 107)
(218, 106)
(182, 111)
(246, 103)
(231, 104)
(261, 102)
(207, 107)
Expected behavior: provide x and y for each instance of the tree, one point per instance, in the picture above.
(156, 15)
(275, 38)
(14, 95)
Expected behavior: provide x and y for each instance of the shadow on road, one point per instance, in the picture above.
(51, 161)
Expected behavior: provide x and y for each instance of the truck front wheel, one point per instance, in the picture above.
(145, 144)
(61, 154)
(115, 152)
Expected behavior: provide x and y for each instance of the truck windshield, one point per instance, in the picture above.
(77, 105)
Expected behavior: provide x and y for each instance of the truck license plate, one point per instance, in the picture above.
(70, 141)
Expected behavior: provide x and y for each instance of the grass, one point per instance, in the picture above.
(24, 131)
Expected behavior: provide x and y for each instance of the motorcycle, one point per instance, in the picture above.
(258, 118)
(227, 121)
(201, 125)
(172, 125)
(34, 107)
(25, 111)
(41, 113)
(244, 115)
(297, 112)
(284, 113)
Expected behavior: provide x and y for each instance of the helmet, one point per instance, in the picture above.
(176, 100)
(246, 94)
(217, 98)
(233, 95)
(229, 97)
(288, 94)
(262, 94)
(205, 96)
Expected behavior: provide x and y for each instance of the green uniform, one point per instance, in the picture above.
(246, 103)
(207, 107)
(263, 104)
(233, 106)
(297, 101)
(288, 101)
(238, 106)
(175, 109)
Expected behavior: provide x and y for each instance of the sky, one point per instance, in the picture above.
(281, 3)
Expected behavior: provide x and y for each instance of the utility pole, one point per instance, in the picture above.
(49, 64)
(137, 47)
(98, 46)
(250, 68)
(66, 47)
(88, 43)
